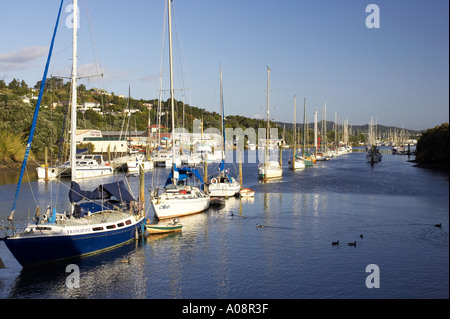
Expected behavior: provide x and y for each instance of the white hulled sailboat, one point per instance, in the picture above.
(268, 169)
(97, 220)
(223, 185)
(178, 198)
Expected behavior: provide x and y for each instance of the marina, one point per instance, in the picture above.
(158, 196)
(390, 209)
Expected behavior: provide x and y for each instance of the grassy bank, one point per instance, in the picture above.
(12, 149)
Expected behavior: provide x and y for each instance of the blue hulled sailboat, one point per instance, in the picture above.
(101, 219)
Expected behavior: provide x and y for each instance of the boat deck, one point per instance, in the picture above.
(97, 218)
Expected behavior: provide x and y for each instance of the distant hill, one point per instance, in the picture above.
(355, 128)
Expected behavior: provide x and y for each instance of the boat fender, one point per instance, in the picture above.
(52, 218)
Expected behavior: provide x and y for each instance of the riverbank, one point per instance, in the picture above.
(433, 166)
(15, 167)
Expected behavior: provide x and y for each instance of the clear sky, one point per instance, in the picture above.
(316, 49)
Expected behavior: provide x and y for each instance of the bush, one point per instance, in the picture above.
(12, 148)
(433, 146)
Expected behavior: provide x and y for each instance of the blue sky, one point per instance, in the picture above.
(316, 49)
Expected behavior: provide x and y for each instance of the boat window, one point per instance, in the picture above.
(128, 222)
(97, 228)
(43, 228)
(110, 226)
(119, 224)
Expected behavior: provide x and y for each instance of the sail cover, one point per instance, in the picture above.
(116, 190)
(183, 173)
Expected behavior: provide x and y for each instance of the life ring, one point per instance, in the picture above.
(214, 181)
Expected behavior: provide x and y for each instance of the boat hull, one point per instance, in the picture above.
(247, 192)
(46, 248)
(52, 171)
(90, 172)
(158, 229)
(299, 164)
(273, 171)
(224, 189)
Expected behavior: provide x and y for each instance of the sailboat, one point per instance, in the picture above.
(88, 166)
(178, 198)
(133, 160)
(305, 157)
(296, 162)
(268, 169)
(223, 185)
(373, 152)
(98, 220)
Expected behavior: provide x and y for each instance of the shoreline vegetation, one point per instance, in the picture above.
(432, 151)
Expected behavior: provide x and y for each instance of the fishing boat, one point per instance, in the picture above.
(223, 185)
(98, 220)
(269, 169)
(178, 197)
(171, 227)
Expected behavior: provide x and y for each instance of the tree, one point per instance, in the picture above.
(433, 146)
(14, 84)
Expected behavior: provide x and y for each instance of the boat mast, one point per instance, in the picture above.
(73, 123)
(266, 149)
(304, 126)
(171, 89)
(325, 129)
(315, 131)
(295, 132)
(129, 122)
(222, 114)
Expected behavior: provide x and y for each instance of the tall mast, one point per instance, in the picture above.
(315, 131)
(266, 149)
(129, 122)
(222, 113)
(295, 132)
(325, 129)
(171, 84)
(73, 122)
(304, 126)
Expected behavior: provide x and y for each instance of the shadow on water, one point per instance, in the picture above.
(11, 176)
(51, 280)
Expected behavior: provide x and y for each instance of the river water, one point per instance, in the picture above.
(221, 254)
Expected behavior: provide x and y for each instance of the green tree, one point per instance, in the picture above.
(433, 146)
(14, 84)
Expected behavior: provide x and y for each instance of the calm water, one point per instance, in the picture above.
(222, 254)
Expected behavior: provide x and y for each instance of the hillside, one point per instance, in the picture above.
(102, 110)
